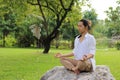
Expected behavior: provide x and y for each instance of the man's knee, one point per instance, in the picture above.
(81, 65)
(84, 66)
(62, 59)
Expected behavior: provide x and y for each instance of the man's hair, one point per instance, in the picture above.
(86, 23)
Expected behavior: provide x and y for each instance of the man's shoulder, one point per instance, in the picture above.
(90, 35)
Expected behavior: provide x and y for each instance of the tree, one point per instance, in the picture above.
(57, 9)
(90, 15)
(7, 23)
(100, 29)
(113, 21)
(60, 9)
(69, 27)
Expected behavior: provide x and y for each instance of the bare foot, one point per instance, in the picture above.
(75, 70)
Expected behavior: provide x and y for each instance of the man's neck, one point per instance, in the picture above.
(84, 33)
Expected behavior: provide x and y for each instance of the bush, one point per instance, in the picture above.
(25, 41)
(10, 41)
(111, 43)
(118, 45)
(1, 43)
(62, 44)
(102, 42)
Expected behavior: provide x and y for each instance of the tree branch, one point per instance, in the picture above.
(45, 21)
(67, 10)
(60, 11)
(32, 3)
(59, 21)
(70, 6)
(62, 4)
(55, 35)
(55, 8)
(48, 7)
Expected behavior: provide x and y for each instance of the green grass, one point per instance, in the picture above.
(31, 64)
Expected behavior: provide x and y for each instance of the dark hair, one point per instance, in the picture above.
(86, 23)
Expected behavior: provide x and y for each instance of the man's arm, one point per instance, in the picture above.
(59, 55)
(88, 56)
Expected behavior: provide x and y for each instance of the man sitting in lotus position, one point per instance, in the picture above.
(83, 52)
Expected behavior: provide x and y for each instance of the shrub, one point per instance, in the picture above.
(62, 44)
(25, 41)
(118, 45)
(1, 43)
(10, 41)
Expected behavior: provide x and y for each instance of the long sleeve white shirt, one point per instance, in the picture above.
(87, 46)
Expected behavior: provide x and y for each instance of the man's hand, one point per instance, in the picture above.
(84, 58)
(58, 55)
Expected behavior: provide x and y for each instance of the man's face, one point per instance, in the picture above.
(81, 27)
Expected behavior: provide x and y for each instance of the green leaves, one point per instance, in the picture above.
(113, 21)
(90, 15)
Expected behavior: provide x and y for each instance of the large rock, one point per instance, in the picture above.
(60, 73)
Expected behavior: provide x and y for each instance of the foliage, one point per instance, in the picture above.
(25, 41)
(118, 45)
(63, 44)
(90, 15)
(100, 29)
(113, 21)
(1, 42)
(53, 13)
(10, 41)
(69, 31)
(24, 36)
(7, 23)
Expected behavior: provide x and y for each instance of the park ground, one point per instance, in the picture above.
(31, 64)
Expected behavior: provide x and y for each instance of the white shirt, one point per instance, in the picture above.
(87, 46)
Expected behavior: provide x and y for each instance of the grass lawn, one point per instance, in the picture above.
(31, 64)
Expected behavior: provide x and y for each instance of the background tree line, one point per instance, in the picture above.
(57, 20)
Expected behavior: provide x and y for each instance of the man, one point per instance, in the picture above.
(83, 52)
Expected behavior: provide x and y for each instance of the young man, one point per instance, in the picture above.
(83, 52)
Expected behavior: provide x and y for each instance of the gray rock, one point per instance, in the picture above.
(60, 73)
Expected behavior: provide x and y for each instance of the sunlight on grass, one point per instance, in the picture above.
(31, 64)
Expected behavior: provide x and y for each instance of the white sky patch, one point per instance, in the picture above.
(101, 6)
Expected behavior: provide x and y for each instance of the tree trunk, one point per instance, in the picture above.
(57, 41)
(38, 43)
(57, 44)
(3, 39)
(46, 46)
